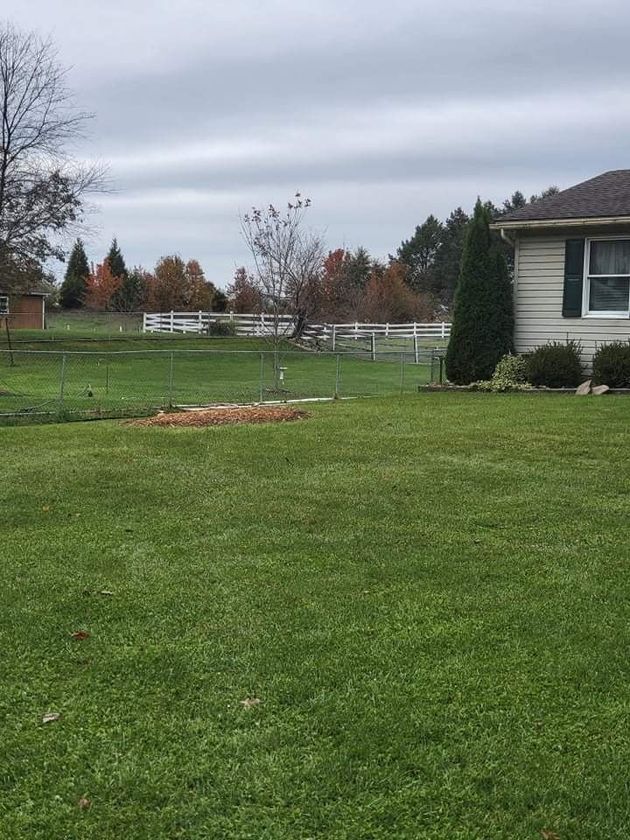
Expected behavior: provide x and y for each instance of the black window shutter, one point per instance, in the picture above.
(573, 278)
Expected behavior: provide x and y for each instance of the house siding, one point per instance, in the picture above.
(538, 291)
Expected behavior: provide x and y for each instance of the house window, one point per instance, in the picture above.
(607, 290)
(4, 305)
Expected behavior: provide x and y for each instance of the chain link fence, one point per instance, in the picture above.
(57, 384)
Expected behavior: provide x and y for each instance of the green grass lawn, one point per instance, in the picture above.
(133, 375)
(430, 596)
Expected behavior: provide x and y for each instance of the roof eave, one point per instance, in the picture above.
(534, 224)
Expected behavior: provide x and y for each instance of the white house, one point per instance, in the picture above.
(572, 265)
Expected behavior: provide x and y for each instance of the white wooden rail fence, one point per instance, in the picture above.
(335, 335)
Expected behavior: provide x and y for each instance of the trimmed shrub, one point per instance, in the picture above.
(611, 365)
(555, 365)
(222, 328)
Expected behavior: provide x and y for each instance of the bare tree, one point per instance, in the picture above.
(287, 262)
(42, 188)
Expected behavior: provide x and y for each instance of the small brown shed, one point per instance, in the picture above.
(24, 311)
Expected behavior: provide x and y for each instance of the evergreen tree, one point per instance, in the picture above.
(448, 259)
(116, 260)
(74, 286)
(127, 297)
(483, 320)
(221, 302)
(419, 254)
(132, 293)
(358, 267)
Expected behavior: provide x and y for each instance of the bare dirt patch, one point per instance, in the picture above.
(225, 416)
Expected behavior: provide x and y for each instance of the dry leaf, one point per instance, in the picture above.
(84, 803)
(549, 835)
(248, 702)
(79, 635)
(46, 508)
(105, 592)
(50, 717)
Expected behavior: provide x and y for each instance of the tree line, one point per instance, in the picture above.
(174, 284)
(42, 199)
(293, 272)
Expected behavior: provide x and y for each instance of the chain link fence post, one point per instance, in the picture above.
(62, 382)
(170, 380)
(402, 372)
(261, 384)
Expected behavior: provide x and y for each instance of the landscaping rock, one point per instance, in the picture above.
(598, 390)
(584, 388)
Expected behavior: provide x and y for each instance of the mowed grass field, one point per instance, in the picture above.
(131, 375)
(429, 596)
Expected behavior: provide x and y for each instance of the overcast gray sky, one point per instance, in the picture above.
(381, 112)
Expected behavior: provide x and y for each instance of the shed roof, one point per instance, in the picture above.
(606, 196)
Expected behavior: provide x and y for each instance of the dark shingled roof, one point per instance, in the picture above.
(603, 196)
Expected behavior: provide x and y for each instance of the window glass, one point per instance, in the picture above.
(609, 294)
(610, 256)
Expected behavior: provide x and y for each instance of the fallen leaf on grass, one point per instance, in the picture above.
(84, 803)
(80, 635)
(105, 592)
(50, 717)
(549, 835)
(248, 702)
(46, 508)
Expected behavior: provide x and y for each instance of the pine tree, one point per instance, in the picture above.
(127, 297)
(419, 254)
(116, 260)
(483, 321)
(358, 267)
(449, 256)
(74, 286)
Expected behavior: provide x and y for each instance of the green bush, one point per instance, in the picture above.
(555, 365)
(611, 365)
(510, 374)
(222, 328)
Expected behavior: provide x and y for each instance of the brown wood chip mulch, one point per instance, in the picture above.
(225, 416)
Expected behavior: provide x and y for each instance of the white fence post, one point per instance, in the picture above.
(334, 330)
(373, 346)
(415, 347)
(172, 321)
(386, 330)
(144, 322)
(443, 330)
(200, 317)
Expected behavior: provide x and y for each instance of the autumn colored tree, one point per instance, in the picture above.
(101, 287)
(243, 294)
(345, 276)
(200, 292)
(170, 285)
(389, 299)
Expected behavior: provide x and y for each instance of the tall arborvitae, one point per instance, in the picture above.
(483, 320)
(74, 286)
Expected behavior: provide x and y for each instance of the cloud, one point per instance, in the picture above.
(382, 113)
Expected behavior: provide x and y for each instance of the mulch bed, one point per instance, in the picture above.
(225, 416)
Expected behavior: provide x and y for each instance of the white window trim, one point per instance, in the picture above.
(4, 304)
(586, 284)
